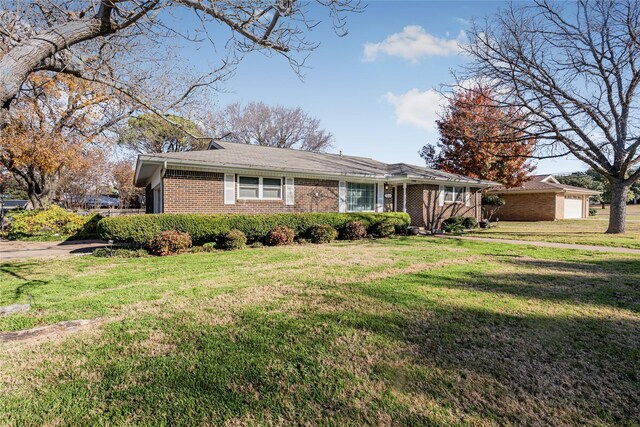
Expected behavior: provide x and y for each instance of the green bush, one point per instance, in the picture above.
(139, 229)
(593, 211)
(493, 200)
(210, 246)
(120, 253)
(322, 233)
(50, 222)
(280, 235)
(454, 224)
(234, 239)
(383, 229)
(469, 222)
(169, 243)
(353, 230)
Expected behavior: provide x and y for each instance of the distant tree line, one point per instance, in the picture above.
(594, 181)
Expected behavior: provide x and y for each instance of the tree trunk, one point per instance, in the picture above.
(617, 214)
(28, 55)
(39, 191)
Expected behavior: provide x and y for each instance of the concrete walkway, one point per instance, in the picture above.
(547, 244)
(10, 250)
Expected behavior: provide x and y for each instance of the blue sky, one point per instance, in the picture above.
(374, 88)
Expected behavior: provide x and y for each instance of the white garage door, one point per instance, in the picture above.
(572, 207)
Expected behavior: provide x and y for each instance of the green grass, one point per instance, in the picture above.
(633, 212)
(407, 331)
(582, 231)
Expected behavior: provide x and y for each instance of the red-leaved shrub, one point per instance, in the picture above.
(280, 235)
(169, 243)
(353, 230)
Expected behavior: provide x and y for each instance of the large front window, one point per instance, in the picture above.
(360, 197)
(250, 187)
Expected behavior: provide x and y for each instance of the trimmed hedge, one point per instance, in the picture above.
(138, 229)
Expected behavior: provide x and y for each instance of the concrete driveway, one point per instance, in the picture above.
(10, 250)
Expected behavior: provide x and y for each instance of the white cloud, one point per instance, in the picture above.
(415, 107)
(414, 43)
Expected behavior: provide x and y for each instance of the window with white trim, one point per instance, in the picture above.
(253, 187)
(360, 197)
(454, 194)
(271, 188)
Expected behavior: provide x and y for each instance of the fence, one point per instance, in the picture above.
(110, 212)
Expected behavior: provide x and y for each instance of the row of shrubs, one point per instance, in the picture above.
(174, 242)
(138, 230)
(53, 221)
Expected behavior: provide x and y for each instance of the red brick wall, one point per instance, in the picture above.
(532, 207)
(203, 192)
(424, 210)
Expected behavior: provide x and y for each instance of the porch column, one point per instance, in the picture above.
(395, 198)
(404, 197)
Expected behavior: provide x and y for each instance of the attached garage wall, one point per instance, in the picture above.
(531, 207)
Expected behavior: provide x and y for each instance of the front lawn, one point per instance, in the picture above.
(409, 331)
(578, 231)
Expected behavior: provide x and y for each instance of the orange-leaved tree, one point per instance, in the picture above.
(481, 140)
(52, 124)
(123, 173)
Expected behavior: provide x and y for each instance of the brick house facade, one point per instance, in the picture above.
(208, 182)
(543, 198)
(203, 192)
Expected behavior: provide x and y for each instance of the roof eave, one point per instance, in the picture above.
(150, 159)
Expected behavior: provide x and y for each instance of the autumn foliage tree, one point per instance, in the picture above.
(480, 140)
(84, 180)
(51, 125)
(123, 173)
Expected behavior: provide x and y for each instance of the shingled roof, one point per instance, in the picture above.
(543, 184)
(231, 155)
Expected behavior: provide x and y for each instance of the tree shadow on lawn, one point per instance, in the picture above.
(404, 356)
(18, 270)
(611, 283)
(525, 368)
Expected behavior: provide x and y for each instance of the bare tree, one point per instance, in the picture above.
(274, 126)
(106, 40)
(573, 70)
